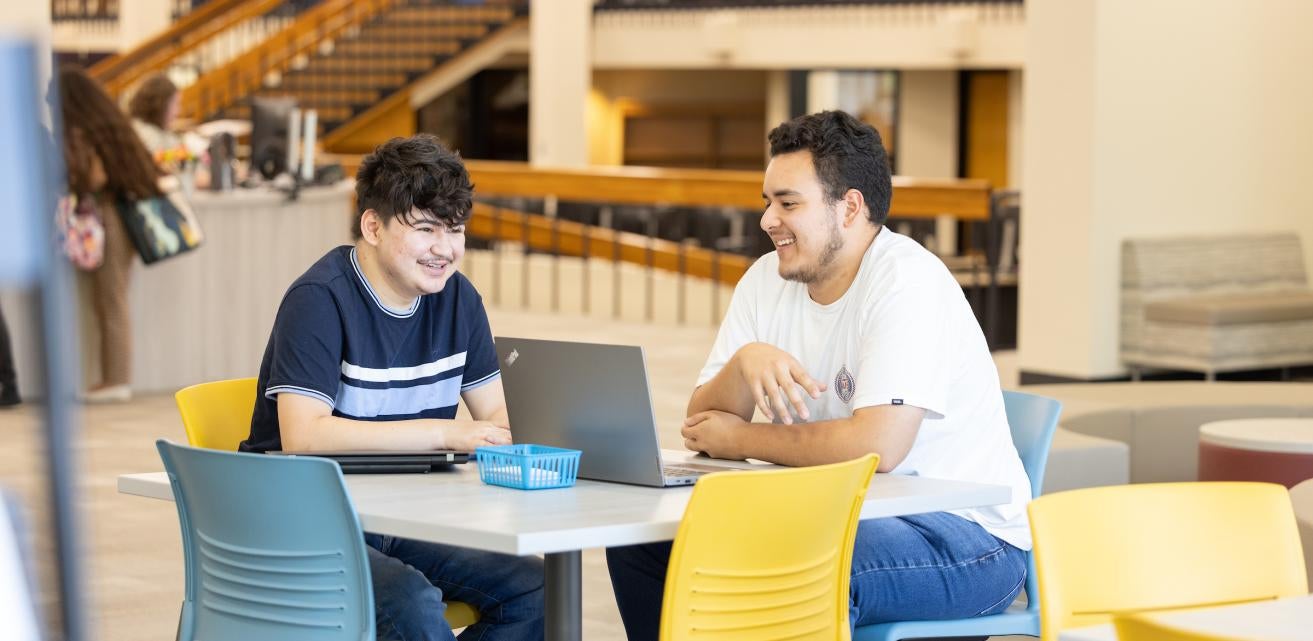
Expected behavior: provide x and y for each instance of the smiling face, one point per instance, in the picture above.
(411, 260)
(800, 220)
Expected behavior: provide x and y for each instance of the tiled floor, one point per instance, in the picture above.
(133, 559)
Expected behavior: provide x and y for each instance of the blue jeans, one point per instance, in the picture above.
(411, 578)
(921, 567)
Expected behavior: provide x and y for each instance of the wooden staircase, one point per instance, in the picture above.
(369, 62)
(339, 57)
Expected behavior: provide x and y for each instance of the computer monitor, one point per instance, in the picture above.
(269, 134)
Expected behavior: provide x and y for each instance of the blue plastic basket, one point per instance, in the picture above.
(528, 467)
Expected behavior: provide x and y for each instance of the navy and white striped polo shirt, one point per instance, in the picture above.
(334, 340)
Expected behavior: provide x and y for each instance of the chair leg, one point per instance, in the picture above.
(1210, 376)
(1135, 373)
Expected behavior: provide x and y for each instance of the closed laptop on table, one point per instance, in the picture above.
(364, 462)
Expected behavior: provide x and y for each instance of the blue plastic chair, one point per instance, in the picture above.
(1032, 419)
(272, 547)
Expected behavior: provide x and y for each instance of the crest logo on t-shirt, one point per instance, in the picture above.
(511, 358)
(844, 384)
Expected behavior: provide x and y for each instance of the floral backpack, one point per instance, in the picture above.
(81, 230)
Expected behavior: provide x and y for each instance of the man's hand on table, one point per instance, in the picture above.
(716, 434)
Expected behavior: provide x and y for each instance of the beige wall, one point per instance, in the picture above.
(924, 36)
(614, 91)
(927, 124)
(1129, 133)
(559, 70)
(1016, 125)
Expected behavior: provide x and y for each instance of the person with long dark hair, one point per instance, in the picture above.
(106, 162)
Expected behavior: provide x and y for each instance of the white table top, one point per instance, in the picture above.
(457, 508)
(1291, 435)
(1288, 619)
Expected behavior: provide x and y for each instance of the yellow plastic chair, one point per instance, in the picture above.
(1123, 549)
(1140, 628)
(217, 416)
(766, 555)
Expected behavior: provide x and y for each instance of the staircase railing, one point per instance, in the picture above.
(199, 35)
(678, 223)
(120, 71)
(245, 74)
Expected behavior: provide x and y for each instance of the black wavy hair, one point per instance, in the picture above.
(847, 154)
(416, 173)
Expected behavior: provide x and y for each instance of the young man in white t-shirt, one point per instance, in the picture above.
(850, 339)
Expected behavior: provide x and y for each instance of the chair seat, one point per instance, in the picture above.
(460, 615)
(1233, 309)
(1018, 621)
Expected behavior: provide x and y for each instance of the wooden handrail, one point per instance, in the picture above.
(244, 74)
(120, 72)
(966, 199)
(913, 197)
(577, 239)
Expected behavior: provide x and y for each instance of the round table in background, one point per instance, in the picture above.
(1276, 450)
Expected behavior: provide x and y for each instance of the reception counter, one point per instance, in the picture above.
(206, 315)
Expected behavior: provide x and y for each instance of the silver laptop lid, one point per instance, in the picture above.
(584, 396)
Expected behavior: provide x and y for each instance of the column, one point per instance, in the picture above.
(560, 73)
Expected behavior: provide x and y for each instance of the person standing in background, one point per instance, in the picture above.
(154, 108)
(107, 162)
(8, 377)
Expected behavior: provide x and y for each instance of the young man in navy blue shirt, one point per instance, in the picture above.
(373, 348)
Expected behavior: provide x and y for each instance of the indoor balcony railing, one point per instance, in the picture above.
(668, 245)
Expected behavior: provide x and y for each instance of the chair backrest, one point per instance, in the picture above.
(1141, 628)
(1129, 548)
(1301, 498)
(272, 547)
(1032, 419)
(217, 415)
(766, 554)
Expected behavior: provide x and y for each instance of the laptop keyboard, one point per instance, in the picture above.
(673, 471)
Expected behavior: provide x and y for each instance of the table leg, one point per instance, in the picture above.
(564, 587)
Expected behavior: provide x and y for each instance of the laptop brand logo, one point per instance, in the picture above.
(512, 357)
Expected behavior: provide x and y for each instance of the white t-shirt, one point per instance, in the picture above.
(903, 333)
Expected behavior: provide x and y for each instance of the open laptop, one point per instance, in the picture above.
(592, 398)
(388, 462)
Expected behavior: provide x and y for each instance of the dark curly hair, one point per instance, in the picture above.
(416, 173)
(847, 154)
(151, 102)
(95, 125)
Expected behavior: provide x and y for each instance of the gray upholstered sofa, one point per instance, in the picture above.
(1215, 304)
(1156, 424)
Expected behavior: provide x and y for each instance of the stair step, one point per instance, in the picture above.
(368, 65)
(326, 79)
(448, 15)
(422, 32)
(382, 47)
(335, 96)
(327, 113)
